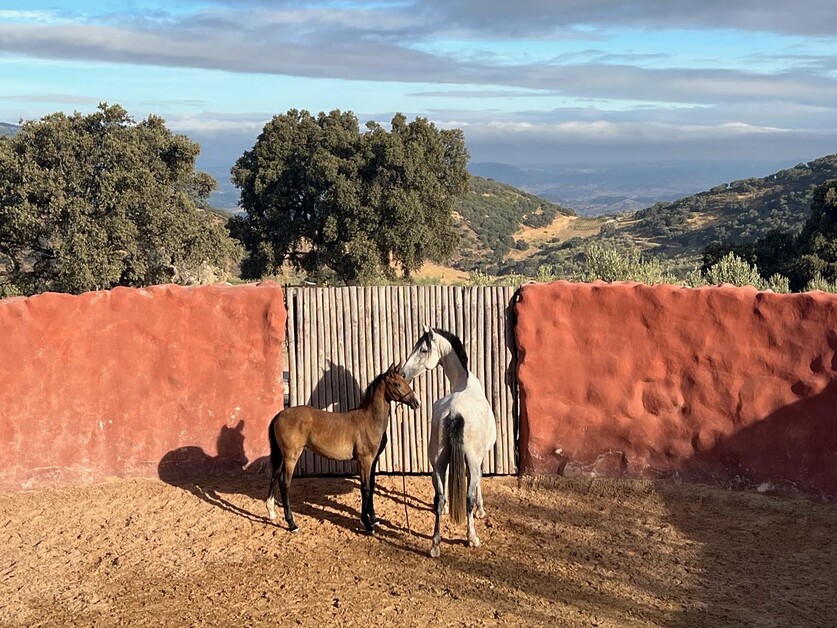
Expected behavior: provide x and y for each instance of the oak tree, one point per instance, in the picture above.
(344, 204)
(96, 201)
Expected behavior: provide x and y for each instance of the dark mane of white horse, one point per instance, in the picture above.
(456, 344)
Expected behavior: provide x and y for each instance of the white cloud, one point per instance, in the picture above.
(39, 17)
(635, 98)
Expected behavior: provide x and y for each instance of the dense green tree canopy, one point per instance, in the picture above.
(817, 242)
(334, 201)
(94, 201)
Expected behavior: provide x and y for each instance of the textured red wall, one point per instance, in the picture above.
(137, 382)
(714, 383)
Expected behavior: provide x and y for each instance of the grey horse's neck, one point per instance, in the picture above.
(455, 371)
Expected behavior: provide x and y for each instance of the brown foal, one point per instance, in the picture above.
(359, 434)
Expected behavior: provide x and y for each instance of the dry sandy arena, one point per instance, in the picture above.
(556, 552)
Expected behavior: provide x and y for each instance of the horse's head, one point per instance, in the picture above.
(398, 389)
(425, 355)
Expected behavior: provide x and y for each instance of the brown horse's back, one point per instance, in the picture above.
(329, 434)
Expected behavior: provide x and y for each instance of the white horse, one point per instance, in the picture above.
(461, 433)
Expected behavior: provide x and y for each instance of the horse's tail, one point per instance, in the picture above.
(275, 450)
(457, 486)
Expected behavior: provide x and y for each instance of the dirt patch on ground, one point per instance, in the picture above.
(555, 552)
(562, 228)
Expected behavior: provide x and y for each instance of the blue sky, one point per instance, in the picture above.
(532, 81)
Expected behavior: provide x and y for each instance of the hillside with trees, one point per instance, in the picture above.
(95, 201)
(740, 211)
(764, 223)
(492, 212)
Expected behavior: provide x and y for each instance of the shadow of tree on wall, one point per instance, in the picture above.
(755, 559)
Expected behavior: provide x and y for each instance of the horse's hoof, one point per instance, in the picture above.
(434, 551)
(474, 541)
(293, 529)
(480, 514)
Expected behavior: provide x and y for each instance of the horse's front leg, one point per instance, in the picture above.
(372, 474)
(365, 464)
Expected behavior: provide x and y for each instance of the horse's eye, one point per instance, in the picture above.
(424, 350)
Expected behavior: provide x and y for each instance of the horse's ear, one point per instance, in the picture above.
(425, 329)
(398, 369)
(391, 368)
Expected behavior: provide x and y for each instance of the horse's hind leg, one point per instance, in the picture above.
(271, 493)
(446, 508)
(287, 472)
(480, 507)
(440, 468)
(474, 481)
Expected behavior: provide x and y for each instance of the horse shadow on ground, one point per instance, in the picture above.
(214, 479)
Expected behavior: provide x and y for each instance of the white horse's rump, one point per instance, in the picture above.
(462, 430)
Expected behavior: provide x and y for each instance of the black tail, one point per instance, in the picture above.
(275, 451)
(454, 427)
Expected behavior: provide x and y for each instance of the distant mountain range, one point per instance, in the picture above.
(8, 129)
(595, 189)
(588, 189)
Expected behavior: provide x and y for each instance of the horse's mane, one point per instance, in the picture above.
(370, 390)
(456, 344)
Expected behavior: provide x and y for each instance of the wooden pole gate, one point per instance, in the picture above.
(339, 339)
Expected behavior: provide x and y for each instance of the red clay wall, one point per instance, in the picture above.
(137, 383)
(714, 383)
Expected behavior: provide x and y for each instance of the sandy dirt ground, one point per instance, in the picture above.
(555, 552)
